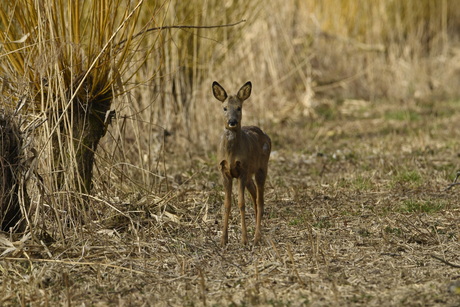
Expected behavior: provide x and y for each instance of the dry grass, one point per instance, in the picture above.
(363, 123)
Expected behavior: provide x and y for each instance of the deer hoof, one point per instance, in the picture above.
(257, 239)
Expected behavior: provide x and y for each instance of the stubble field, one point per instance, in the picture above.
(356, 213)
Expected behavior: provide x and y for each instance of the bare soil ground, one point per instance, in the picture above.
(356, 208)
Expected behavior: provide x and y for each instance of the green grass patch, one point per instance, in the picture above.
(402, 115)
(419, 206)
(297, 221)
(407, 177)
(323, 223)
(359, 183)
(362, 183)
(393, 230)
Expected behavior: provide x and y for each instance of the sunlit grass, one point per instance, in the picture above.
(422, 206)
(408, 178)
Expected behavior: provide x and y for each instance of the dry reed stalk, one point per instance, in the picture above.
(277, 252)
(293, 265)
(202, 287)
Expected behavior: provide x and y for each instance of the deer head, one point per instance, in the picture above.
(232, 106)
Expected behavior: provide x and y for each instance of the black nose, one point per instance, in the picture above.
(232, 123)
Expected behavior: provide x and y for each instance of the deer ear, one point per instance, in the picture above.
(245, 91)
(219, 91)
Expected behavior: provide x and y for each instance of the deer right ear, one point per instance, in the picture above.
(245, 91)
(219, 91)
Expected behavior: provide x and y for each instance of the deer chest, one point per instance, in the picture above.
(231, 169)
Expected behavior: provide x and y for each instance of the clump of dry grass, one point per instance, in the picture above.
(68, 61)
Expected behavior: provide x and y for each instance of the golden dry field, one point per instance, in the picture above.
(116, 171)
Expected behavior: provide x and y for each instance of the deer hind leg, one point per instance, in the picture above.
(252, 190)
(241, 186)
(260, 182)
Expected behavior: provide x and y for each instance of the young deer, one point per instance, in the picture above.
(243, 153)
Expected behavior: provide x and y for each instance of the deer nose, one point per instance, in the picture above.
(232, 123)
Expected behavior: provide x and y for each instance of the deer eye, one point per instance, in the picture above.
(238, 109)
(225, 109)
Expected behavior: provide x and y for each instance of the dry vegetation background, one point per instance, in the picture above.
(360, 98)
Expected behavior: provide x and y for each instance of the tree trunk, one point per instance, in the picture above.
(89, 128)
(11, 175)
(76, 141)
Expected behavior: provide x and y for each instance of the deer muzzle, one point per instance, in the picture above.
(232, 123)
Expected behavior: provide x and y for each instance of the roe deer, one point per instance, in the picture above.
(243, 153)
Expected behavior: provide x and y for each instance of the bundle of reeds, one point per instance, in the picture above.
(69, 59)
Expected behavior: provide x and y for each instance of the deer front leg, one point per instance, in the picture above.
(227, 182)
(241, 185)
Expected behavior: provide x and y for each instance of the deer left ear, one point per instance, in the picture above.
(245, 91)
(219, 91)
